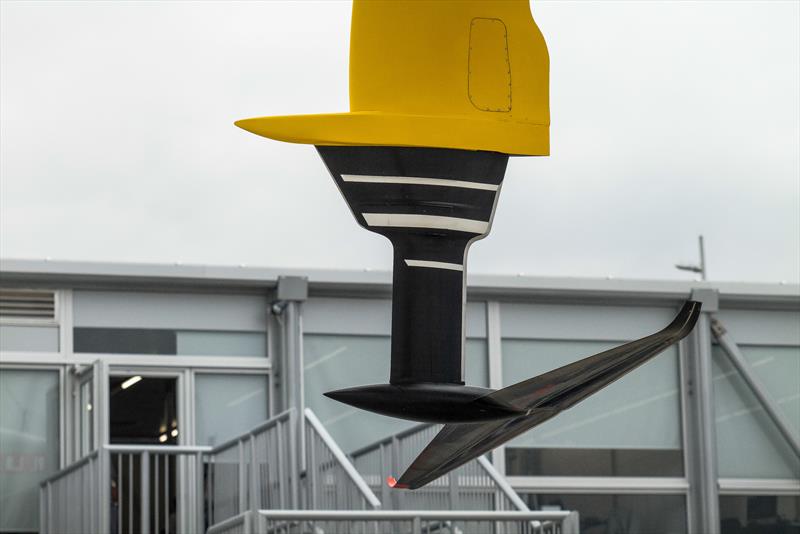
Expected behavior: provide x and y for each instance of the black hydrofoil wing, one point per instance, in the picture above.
(539, 399)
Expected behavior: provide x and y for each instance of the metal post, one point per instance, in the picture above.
(571, 524)
(452, 479)
(702, 257)
(494, 348)
(199, 516)
(701, 427)
(294, 473)
(242, 474)
(290, 293)
(254, 501)
(144, 492)
(740, 363)
(104, 489)
(295, 356)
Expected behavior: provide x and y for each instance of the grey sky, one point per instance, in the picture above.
(669, 119)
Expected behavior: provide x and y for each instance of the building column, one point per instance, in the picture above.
(291, 292)
(700, 424)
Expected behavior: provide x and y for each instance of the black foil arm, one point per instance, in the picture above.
(543, 397)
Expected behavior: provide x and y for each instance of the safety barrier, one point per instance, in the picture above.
(476, 485)
(258, 483)
(69, 500)
(253, 471)
(331, 482)
(414, 522)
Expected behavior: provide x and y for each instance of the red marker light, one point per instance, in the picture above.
(392, 482)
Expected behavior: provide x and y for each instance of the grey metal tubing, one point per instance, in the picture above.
(70, 468)
(294, 354)
(703, 445)
(160, 449)
(144, 492)
(200, 501)
(273, 421)
(242, 519)
(408, 515)
(503, 484)
(388, 440)
(740, 363)
(342, 459)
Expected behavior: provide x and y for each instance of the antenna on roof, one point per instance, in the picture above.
(701, 269)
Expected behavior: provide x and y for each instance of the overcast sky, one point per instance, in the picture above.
(669, 119)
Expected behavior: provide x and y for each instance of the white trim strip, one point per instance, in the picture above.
(410, 220)
(416, 180)
(435, 264)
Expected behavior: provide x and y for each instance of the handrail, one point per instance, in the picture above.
(273, 421)
(503, 484)
(242, 519)
(77, 464)
(447, 515)
(388, 439)
(163, 449)
(342, 459)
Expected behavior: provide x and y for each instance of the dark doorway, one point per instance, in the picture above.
(143, 411)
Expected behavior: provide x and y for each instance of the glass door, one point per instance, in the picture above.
(89, 393)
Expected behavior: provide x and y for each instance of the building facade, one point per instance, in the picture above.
(195, 355)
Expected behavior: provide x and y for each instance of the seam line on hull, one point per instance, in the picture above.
(416, 180)
(435, 265)
(438, 222)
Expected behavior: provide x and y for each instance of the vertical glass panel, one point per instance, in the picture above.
(637, 418)
(227, 405)
(742, 514)
(744, 430)
(85, 422)
(336, 361)
(476, 361)
(29, 437)
(619, 514)
(29, 338)
(196, 343)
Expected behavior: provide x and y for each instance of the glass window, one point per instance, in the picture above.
(744, 430)
(635, 419)
(192, 343)
(336, 361)
(169, 342)
(29, 417)
(29, 338)
(227, 405)
(743, 514)
(619, 514)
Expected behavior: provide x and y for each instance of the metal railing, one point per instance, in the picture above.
(253, 471)
(414, 522)
(331, 480)
(82, 481)
(156, 488)
(161, 489)
(127, 489)
(474, 486)
(238, 524)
